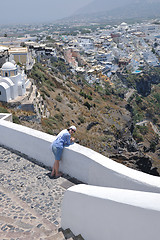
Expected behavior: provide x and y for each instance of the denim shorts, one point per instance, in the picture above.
(57, 152)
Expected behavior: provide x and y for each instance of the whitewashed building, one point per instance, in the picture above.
(12, 82)
(86, 43)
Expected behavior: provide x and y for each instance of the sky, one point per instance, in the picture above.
(37, 11)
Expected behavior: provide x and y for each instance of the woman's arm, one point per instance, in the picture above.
(67, 141)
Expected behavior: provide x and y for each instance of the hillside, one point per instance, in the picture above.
(105, 121)
(101, 11)
(103, 117)
(72, 101)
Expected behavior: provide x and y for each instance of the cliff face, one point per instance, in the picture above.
(141, 82)
(143, 86)
(144, 83)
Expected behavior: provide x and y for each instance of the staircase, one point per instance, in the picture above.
(30, 201)
(19, 221)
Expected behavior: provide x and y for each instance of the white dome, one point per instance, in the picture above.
(123, 24)
(8, 66)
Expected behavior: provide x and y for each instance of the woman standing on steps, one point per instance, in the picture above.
(63, 139)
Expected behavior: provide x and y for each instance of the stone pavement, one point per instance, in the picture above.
(30, 202)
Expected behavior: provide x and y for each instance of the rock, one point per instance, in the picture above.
(108, 131)
(145, 165)
(91, 125)
(154, 171)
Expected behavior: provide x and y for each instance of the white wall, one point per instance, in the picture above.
(95, 169)
(34, 144)
(77, 161)
(100, 213)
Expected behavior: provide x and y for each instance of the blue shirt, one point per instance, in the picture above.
(62, 139)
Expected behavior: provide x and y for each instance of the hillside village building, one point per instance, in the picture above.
(19, 54)
(13, 83)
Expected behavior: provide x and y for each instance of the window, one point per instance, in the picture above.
(6, 74)
(0, 93)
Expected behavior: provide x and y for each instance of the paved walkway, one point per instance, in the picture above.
(30, 201)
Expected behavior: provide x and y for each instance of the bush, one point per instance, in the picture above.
(87, 105)
(81, 119)
(44, 92)
(137, 136)
(16, 119)
(85, 95)
(3, 110)
(58, 98)
(70, 105)
(153, 146)
(138, 100)
(89, 97)
(59, 117)
(143, 129)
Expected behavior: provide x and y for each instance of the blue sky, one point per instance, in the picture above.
(36, 11)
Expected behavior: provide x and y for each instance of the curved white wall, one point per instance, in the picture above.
(100, 213)
(34, 144)
(93, 168)
(95, 212)
(80, 162)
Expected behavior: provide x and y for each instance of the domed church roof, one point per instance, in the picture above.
(8, 66)
(123, 24)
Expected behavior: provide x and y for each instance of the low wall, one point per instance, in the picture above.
(112, 214)
(80, 162)
(95, 212)
(33, 143)
(95, 169)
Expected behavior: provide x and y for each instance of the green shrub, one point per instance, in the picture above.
(81, 119)
(3, 110)
(143, 129)
(59, 116)
(15, 119)
(70, 105)
(87, 105)
(58, 98)
(89, 97)
(153, 146)
(43, 91)
(137, 136)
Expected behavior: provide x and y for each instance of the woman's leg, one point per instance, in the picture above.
(57, 173)
(55, 170)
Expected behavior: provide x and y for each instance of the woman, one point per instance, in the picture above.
(63, 139)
